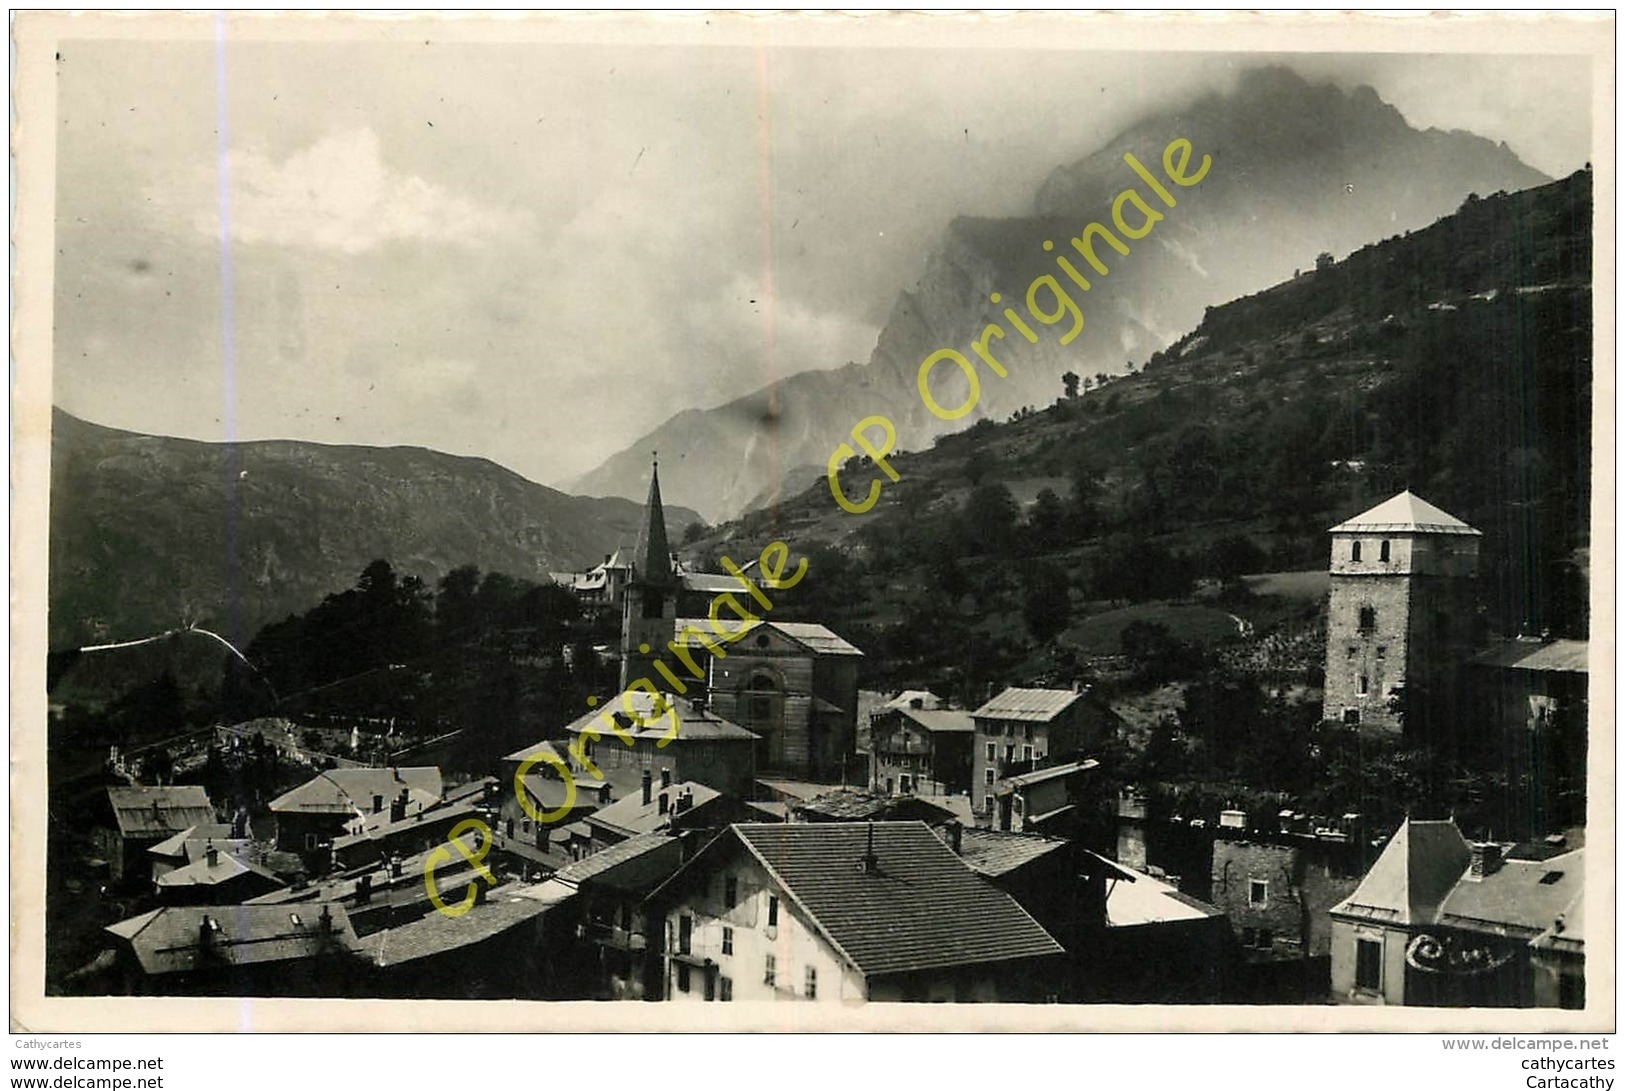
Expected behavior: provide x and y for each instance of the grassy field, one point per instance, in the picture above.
(1101, 634)
(1304, 586)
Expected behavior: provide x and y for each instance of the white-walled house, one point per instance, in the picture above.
(845, 912)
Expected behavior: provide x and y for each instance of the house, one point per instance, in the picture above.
(1162, 946)
(373, 837)
(601, 587)
(1535, 691)
(1440, 921)
(844, 911)
(663, 807)
(858, 805)
(921, 747)
(177, 851)
(596, 941)
(1401, 616)
(144, 816)
(236, 950)
(687, 737)
(1057, 799)
(222, 874)
(1023, 730)
(310, 817)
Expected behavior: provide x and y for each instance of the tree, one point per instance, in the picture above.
(989, 519)
(1047, 603)
(1069, 383)
(694, 531)
(1046, 523)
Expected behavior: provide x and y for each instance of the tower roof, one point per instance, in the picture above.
(654, 551)
(1405, 513)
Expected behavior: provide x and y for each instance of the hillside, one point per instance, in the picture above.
(1298, 169)
(147, 531)
(1454, 360)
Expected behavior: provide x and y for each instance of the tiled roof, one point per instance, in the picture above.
(637, 864)
(1041, 705)
(351, 791)
(927, 699)
(205, 831)
(815, 638)
(921, 908)
(856, 804)
(534, 749)
(692, 722)
(379, 831)
(946, 721)
(1151, 901)
(142, 811)
(1520, 898)
(169, 940)
(226, 867)
(1039, 776)
(632, 815)
(505, 907)
(1572, 656)
(994, 852)
(195, 849)
(1405, 513)
(1415, 872)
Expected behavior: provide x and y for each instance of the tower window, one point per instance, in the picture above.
(1368, 618)
(1364, 685)
(1354, 551)
(1382, 550)
(1382, 651)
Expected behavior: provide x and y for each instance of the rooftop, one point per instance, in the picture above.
(351, 791)
(170, 940)
(1406, 513)
(1054, 772)
(994, 852)
(817, 639)
(692, 722)
(631, 815)
(1568, 656)
(205, 831)
(859, 804)
(142, 811)
(636, 865)
(927, 699)
(226, 866)
(921, 907)
(1041, 705)
(941, 720)
(507, 906)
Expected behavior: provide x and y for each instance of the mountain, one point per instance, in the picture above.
(1455, 361)
(148, 531)
(1297, 170)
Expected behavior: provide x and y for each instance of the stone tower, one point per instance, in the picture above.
(649, 612)
(1403, 604)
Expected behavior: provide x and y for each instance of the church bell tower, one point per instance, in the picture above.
(649, 613)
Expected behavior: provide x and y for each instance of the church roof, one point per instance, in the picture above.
(1405, 513)
(654, 550)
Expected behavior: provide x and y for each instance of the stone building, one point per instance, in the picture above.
(1402, 612)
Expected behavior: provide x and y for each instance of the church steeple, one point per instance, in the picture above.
(654, 551)
(649, 620)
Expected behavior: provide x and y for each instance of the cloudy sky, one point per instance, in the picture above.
(536, 253)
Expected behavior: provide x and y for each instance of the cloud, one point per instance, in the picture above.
(337, 194)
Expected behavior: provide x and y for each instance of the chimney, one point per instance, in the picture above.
(363, 889)
(211, 855)
(603, 793)
(324, 923)
(665, 776)
(377, 802)
(479, 891)
(648, 786)
(956, 837)
(395, 866)
(685, 800)
(870, 862)
(544, 834)
(1486, 857)
(663, 799)
(206, 931)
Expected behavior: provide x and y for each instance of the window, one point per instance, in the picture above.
(682, 977)
(992, 751)
(310, 841)
(1351, 715)
(1352, 650)
(1010, 753)
(1368, 618)
(1382, 651)
(1258, 892)
(1354, 551)
(1266, 939)
(1249, 937)
(685, 934)
(730, 891)
(987, 804)
(1362, 685)
(1571, 991)
(710, 983)
(726, 987)
(1009, 729)
(987, 776)
(1027, 731)
(626, 916)
(1382, 550)
(812, 983)
(1368, 964)
(1026, 753)
(770, 976)
(727, 941)
(772, 911)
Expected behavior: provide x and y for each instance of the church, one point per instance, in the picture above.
(793, 686)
